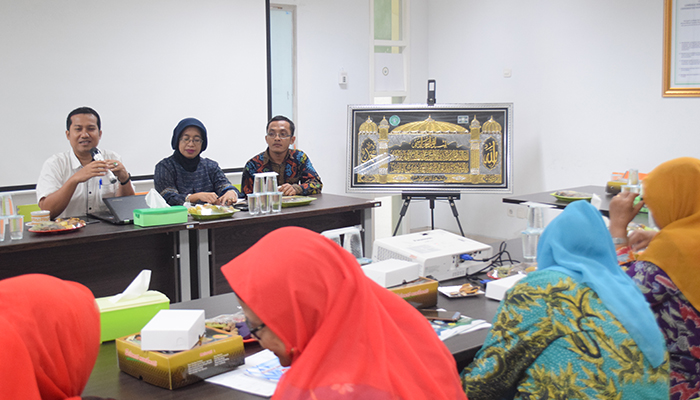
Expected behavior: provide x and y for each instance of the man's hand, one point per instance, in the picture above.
(118, 168)
(95, 168)
(288, 190)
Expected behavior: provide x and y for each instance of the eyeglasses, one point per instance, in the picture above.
(254, 331)
(195, 140)
(272, 135)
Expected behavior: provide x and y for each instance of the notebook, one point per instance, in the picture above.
(121, 209)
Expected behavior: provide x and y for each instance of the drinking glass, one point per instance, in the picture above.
(271, 183)
(530, 239)
(275, 201)
(7, 205)
(16, 227)
(254, 203)
(535, 219)
(264, 200)
(259, 183)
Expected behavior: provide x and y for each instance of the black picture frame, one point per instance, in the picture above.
(430, 149)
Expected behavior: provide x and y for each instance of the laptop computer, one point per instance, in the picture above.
(121, 209)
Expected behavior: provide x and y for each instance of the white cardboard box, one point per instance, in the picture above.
(497, 289)
(392, 272)
(173, 330)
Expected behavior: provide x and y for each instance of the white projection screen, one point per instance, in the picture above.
(143, 65)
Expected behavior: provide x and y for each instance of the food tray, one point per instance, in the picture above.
(295, 201)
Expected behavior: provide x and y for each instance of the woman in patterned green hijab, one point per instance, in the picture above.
(577, 328)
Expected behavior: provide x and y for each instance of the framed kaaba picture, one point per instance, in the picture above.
(437, 149)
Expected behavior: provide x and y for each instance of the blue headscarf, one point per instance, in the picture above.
(578, 244)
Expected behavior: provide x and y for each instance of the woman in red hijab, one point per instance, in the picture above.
(345, 337)
(50, 331)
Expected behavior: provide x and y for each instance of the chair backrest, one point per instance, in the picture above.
(26, 210)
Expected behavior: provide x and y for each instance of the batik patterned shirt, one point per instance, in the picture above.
(296, 170)
(552, 338)
(680, 323)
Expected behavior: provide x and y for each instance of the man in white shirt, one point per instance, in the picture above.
(72, 183)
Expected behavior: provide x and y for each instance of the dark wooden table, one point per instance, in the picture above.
(106, 257)
(107, 381)
(547, 198)
(229, 238)
(102, 256)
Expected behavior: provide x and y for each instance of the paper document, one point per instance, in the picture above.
(240, 378)
(464, 324)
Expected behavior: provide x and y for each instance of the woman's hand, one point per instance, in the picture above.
(639, 239)
(622, 211)
(228, 198)
(204, 197)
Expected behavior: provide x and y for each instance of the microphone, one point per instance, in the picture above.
(97, 156)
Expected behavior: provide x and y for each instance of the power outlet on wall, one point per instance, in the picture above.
(516, 211)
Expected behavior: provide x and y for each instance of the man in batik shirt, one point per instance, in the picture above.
(295, 173)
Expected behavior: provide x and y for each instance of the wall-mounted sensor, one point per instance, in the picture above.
(343, 78)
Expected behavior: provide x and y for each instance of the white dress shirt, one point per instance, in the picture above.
(88, 195)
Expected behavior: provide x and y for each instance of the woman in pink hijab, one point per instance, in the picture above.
(50, 333)
(345, 337)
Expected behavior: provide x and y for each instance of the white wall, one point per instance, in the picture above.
(332, 35)
(586, 89)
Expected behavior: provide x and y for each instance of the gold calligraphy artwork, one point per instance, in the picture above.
(432, 150)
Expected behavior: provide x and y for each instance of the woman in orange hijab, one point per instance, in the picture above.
(345, 337)
(50, 330)
(668, 271)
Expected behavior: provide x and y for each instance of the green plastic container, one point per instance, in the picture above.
(160, 216)
(129, 316)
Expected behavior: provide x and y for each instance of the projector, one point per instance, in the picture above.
(440, 254)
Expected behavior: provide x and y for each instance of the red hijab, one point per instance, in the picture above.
(50, 330)
(351, 337)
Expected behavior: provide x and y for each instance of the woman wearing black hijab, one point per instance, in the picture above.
(185, 176)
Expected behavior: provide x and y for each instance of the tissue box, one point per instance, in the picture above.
(129, 316)
(173, 330)
(421, 293)
(160, 216)
(497, 289)
(392, 272)
(219, 352)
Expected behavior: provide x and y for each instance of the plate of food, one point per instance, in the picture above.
(466, 290)
(205, 212)
(571, 195)
(57, 226)
(294, 201)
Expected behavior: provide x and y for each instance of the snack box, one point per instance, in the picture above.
(127, 317)
(217, 352)
(173, 330)
(160, 216)
(420, 293)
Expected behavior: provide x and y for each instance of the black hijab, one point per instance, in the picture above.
(189, 164)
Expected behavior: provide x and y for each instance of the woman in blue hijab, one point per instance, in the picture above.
(186, 176)
(577, 328)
